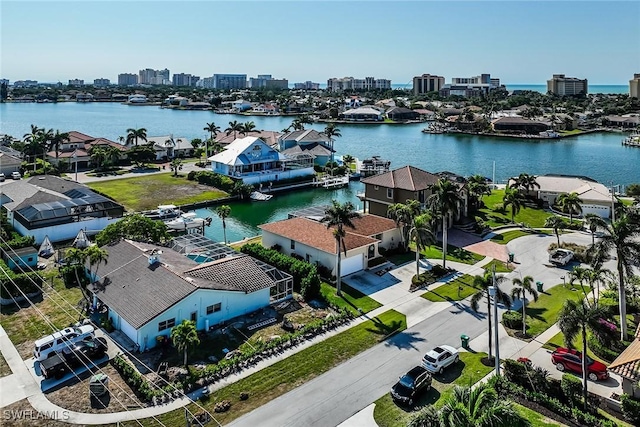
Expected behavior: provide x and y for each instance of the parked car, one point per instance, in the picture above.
(561, 256)
(2, 177)
(79, 354)
(571, 360)
(51, 344)
(16, 175)
(439, 358)
(410, 385)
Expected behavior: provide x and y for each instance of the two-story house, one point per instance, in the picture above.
(308, 141)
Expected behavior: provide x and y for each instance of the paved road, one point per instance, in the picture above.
(338, 394)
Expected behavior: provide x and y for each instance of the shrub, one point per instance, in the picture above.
(581, 253)
(630, 409)
(512, 319)
(14, 285)
(572, 388)
(18, 242)
(499, 208)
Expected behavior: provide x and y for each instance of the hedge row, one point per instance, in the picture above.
(305, 275)
(18, 243)
(23, 281)
(212, 179)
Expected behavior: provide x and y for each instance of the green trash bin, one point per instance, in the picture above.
(465, 340)
(539, 286)
(511, 255)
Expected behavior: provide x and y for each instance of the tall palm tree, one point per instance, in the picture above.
(557, 224)
(78, 258)
(526, 182)
(234, 127)
(133, 135)
(112, 155)
(596, 276)
(98, 156)
(212, 129)
(513, 197)
(170, 143)
(444, 201)
(621, 238)
(34, 143)
(578, 317)
(184, 336)
(478, 187)
(247, 128)
(223, 212)
(479, 406)
(96, 256)
(519, 291)
(331, 131)
(339, 215)
(593, 222)
(57, 139)
(45, 144)
(570, 202)
(399, 213)
(483, 283)
(421, 235)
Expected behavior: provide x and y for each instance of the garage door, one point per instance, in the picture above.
(129, 330)
(351, 264)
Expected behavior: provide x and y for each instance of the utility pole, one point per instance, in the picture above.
(493, 292)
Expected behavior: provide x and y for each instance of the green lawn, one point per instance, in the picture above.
(435, 252)
(530, 216)
(508, 236)
(147, 192)
(455, 290)
(465, 373)
(351, 298)
(279, 378)
(501, 267)
(543, 313)
(558, 341)
(536, 419)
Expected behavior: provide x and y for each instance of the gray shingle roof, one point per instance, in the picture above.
(238, 273)
(406, 178)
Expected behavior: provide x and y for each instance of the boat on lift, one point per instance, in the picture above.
(163, 212)
(256, 195)
(187, 221)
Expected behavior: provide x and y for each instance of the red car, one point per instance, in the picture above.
(571, 360)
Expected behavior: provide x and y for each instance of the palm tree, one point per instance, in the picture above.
(98, 156)
(513, 197)
(339, 215)
(170, 144)
(223, 212)
(34, 143)
(443, 201)
(402, 214)
(57, 139)
(421, 234)
(620, 237)
(234, 127)
(185, 336)
(247, 128)
(526, 182)
(212, 129)
(519, 291)
(347, 159)
(96, 256)
(578, 317)
(557, 224)
(479, 406)
(593, 222)
(571, 203)
(478, 187)
(78, 258)
(133, 135)
(112, 155)
(175, 165)
(331, 131)
(483, 283)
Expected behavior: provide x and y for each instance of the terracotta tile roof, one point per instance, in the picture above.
(406, 178)
(75, 137)
(105, 141)
(315, 234)
(627, 365)
(370, 225)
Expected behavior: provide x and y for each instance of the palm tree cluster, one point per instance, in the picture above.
(571, 203)
(95, 256)
(40, 141)
(236, 128)
(104, 156)
(444, 202)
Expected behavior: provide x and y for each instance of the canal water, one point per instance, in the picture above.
(600, 156)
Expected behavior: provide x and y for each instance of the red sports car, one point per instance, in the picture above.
(571, 360)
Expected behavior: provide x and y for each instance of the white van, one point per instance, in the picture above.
(51, 344)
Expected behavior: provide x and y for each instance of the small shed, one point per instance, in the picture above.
(22, 258)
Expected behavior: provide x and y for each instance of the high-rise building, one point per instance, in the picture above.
(127, 79)
(267, 81)
(25, 83)
(427, 83)
(182, 79)
(470, 86)
(308, 85)
(4, 82)
(76, 82)
(101, 82)
(567, 86)
(349, 83)
(634, 86)
(229, 81)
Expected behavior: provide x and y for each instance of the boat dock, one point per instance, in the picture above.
(330, 182)
(632, 140)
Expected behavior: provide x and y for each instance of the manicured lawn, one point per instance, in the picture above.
(536, 419)
(501, 267)
(455, 290)
(435, 252)
(351, 298)
(508, 236)
(543, 313)
(558, 341)
(147, 192)
(466, 372)
(281, 377)
(530, 216)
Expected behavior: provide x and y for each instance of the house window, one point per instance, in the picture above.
(194, 316)
(307, 257)
(30, 259)
(167, 324)
(376, 187)
(214, 308)
(389, 193)
(293, 244)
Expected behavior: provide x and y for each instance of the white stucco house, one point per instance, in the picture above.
(149, 289)
(253, 161)
(51, 206)
(313, 241)
(168, 147)
(596, 198)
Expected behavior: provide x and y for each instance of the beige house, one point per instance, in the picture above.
(9, 164)
(627, 365)
(596, 198)
(313, 241)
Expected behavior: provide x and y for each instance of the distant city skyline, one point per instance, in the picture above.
(516, 41)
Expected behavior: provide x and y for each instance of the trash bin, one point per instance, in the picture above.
(465, 340)
(511, 255)
(539, 286)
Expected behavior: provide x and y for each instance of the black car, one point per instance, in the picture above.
(410, 384)
(84, 351)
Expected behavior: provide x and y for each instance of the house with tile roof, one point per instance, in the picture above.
(312, 240)
(148, 289)
(627, 365)
(308, 141)
(78, 149)
(168, 147)
(59, 208)
(404, 184)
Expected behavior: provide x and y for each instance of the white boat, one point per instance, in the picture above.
(163, 212)
(256, 195)
(632, 140)
(188, 220)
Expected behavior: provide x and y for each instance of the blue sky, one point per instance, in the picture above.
(516, 41)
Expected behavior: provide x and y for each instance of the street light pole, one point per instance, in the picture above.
(493, 293)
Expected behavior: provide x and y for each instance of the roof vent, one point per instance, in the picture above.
(154, 259)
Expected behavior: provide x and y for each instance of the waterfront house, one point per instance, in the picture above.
(309, 141)
(60, 208)
(9, 164)
(309, 238)
(403, 184)
(268, 136)
(169, 147)
(77, 149)
(400, 114)
(241, 105)
(519, 125)
(253, 161)
(627, 121)
(366, 113)
(148, 290)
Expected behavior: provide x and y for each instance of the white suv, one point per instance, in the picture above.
(16, 175)
(58, 341)
(439, 358)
